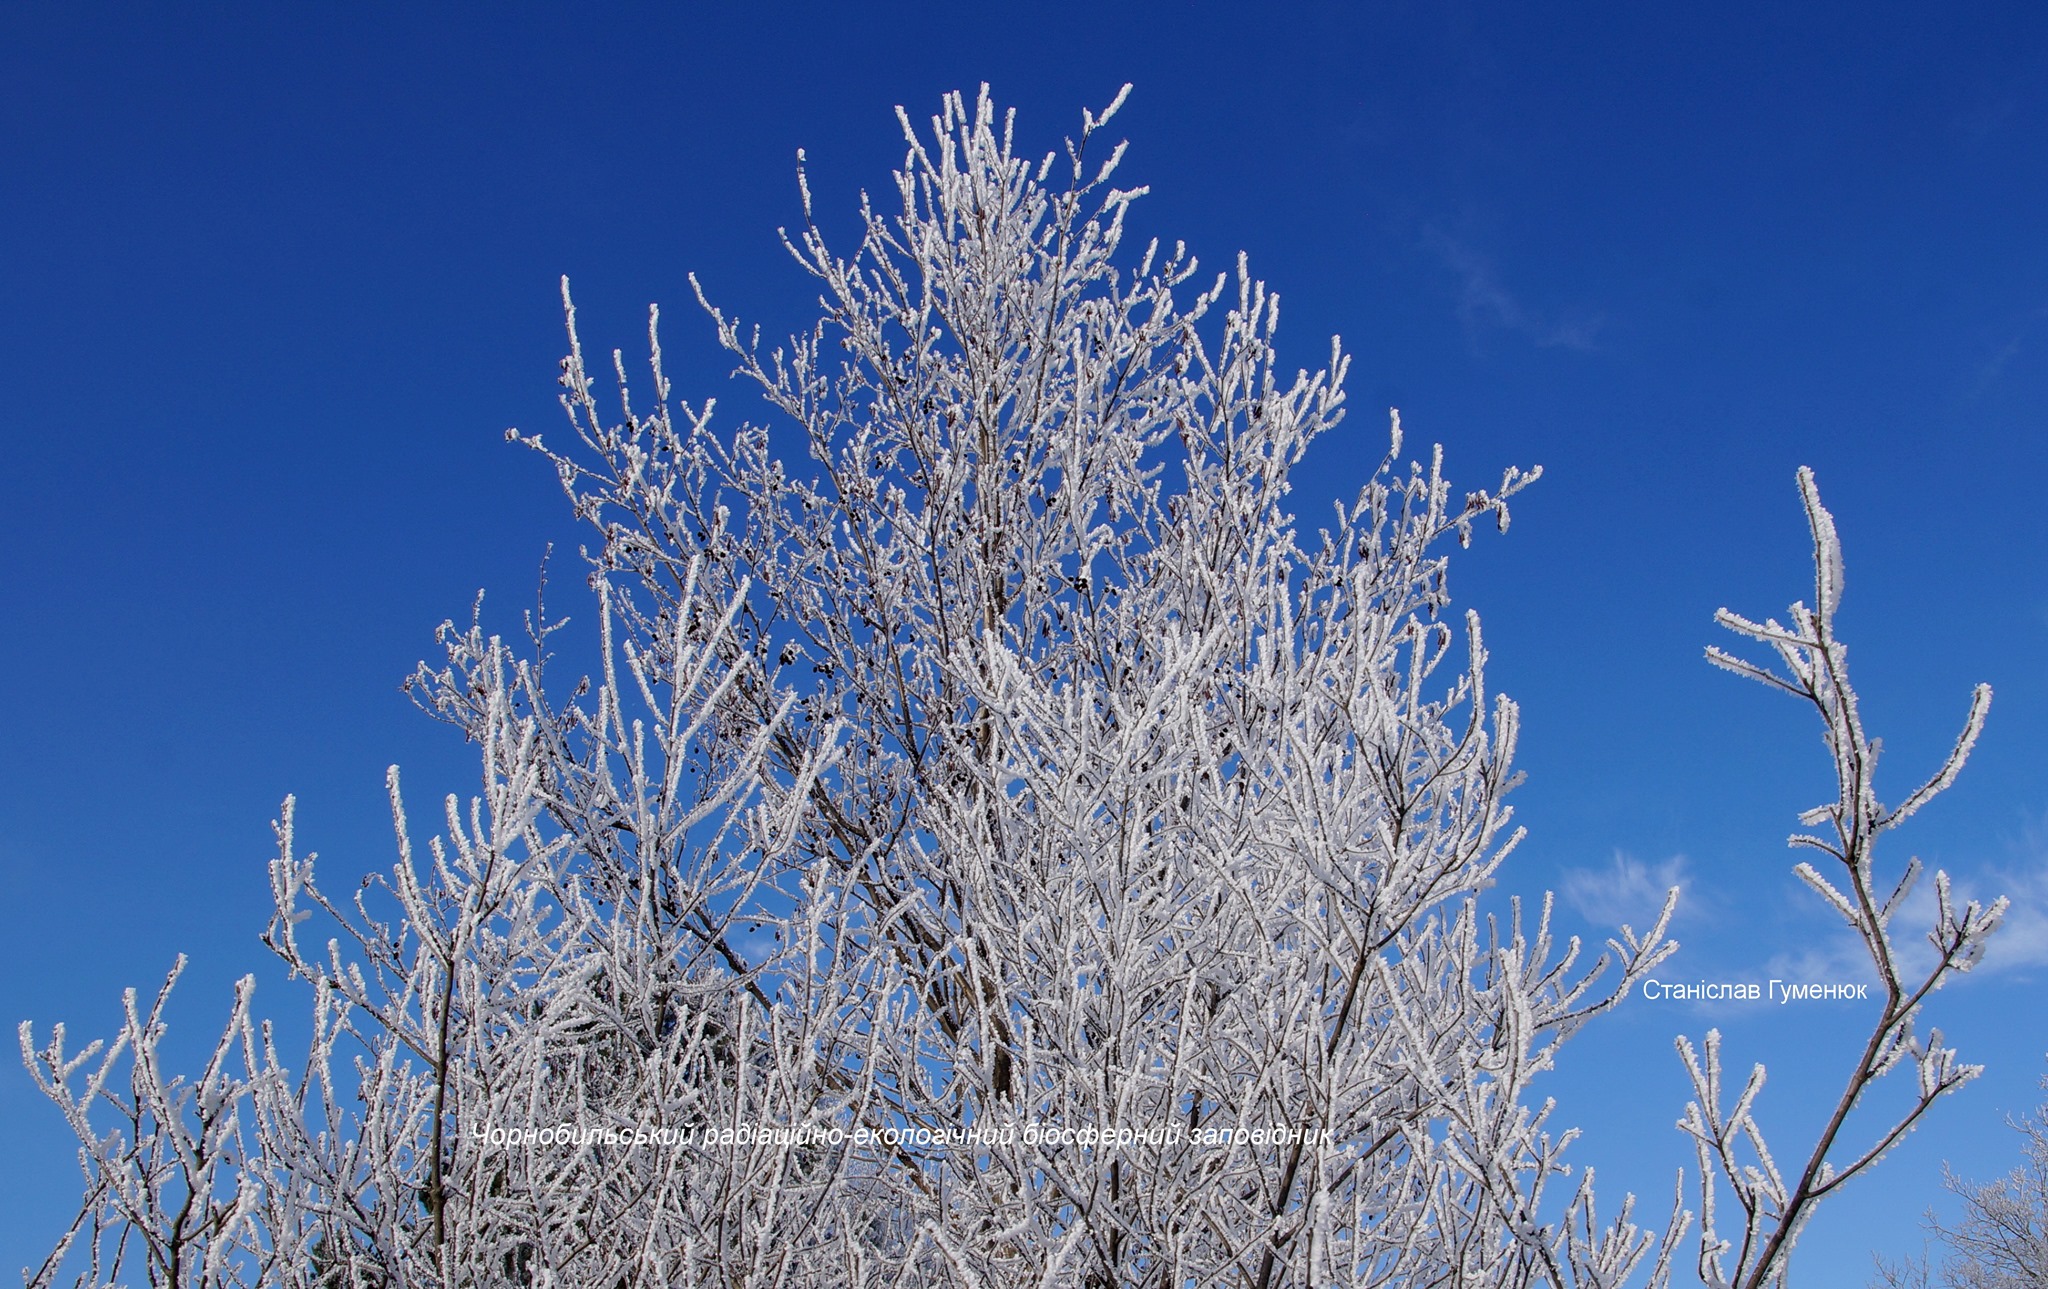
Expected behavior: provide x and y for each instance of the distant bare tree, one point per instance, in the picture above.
(2002, 1241)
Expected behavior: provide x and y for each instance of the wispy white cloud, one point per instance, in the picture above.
(1484, 303)
(1837, 958)
(1626, 891)
(2022, 941)
(1993, 367)
(2019, 945)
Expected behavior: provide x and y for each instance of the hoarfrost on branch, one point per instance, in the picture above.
(961, 834)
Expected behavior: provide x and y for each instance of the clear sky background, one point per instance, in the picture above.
(274, 282)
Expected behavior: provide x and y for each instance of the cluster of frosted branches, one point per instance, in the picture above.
(1772, 1207)
(1002, 851)
(553, 961)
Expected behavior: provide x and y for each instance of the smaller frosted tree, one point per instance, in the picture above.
(1752, 1248)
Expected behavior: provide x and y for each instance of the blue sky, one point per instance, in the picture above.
(277, 281)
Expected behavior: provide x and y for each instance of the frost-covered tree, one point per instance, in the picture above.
(2002, 1240)
(1001, 849)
